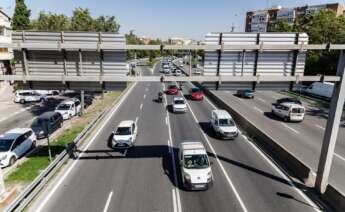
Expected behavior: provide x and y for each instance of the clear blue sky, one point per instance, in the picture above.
(163, 18)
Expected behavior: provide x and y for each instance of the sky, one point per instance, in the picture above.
(162, 18)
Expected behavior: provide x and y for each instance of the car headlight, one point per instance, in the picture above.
(3, 157)
(41, 132)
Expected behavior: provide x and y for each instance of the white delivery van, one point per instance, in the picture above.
(320, 89)
(223, 124)
(69, 108)
(195, 166)
(23, 96)
(289, 111)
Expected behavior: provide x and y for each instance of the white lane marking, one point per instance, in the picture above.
(219, 162)
(136, 119)
(318, 126)
(260, 99)
(15, 113)
(125, 152)
(258, 109)
(174, 200)
(141, 106)
(108, 202)
(50, 194)
(179, 207)
(290, 128)
(276, 168)
(166, 120)
(340, 157)
(144, 96)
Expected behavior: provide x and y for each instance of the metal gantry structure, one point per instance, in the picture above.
(96, 46)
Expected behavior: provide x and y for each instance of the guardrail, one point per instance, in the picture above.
(24, 198)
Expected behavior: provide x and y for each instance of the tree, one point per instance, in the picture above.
(21, 16)
(82, 20)
(106, 24)
(51, 22)
(282, 26)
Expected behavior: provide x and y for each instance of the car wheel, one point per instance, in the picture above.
(22, 101)
(69, 116)
(286, 119)
(60, 125)
(33, 145)
(12, 161)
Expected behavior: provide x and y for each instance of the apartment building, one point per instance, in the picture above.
(6, 54)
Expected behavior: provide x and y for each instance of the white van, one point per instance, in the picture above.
(23, 96)
(195, 166)
(69, 108)
(320, 89)
(223, 124)
(289, 111)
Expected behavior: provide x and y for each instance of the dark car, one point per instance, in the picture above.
(196, 94)
(48, 122)
(289, 100)
(245, 93)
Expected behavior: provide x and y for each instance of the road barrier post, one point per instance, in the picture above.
(332, 128)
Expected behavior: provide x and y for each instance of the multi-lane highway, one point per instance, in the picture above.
(147, 177)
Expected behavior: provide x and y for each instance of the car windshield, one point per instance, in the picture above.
(172, 87)
(226, 122)
(179, 102)
(195, 161)
(297, 110)
(63, 107)
(5, 144)
(195, 90)
(123, 131)
(38, 122)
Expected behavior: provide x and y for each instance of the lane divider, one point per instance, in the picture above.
(108, 202)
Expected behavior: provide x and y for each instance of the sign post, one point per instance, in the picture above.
(46, 129)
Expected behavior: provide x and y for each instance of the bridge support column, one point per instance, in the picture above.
(82, 102)
(332, 128)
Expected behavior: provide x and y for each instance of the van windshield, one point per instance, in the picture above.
(297, 110)
(5, 144)
(123, 131)
(195, 161)
(226, 123)
(38, 122)
(63, 107)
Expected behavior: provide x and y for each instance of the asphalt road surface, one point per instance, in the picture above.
(147, 177)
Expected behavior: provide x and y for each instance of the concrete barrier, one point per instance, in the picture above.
(334, 198)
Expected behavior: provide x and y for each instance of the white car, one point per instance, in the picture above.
(125, 134)
(179, 105)
(69, 108)
(23, 96)
(14, 144)
(195, 166)
(223, 124)
(289, 111)
(178, 73)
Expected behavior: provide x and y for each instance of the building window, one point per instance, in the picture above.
(2, 31)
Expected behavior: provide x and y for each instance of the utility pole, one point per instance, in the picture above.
(190, 63)
(82, 102)
(332, 128)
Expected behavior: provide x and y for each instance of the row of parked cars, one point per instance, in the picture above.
(17, 142)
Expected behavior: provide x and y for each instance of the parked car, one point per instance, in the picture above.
(69, 108)
(196, 94)
(172, 89)
(246, 93)
(289, 111)
(179, 105)
(195, 166)
(223, 124)
(178, 73)
(320, 89)
(125, 134)
(289, 100)
(24, 96)
(14, 144)
(47, 123)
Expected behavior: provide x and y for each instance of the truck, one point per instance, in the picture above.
(320, 89)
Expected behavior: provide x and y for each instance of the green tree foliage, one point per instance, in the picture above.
(82, 20)
(106, 24)
(322, 27)
(51, 22)
(21, 16)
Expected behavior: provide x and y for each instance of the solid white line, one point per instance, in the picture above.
(141, 106)
(318, 126)
(261, 100)
(108, 202)
(258, 109)
(50, 194)
(144, 96)
(290, 128)
(340, 157)
(219, 162)
(136, 119)
(276, 168)
(125, 152)
(166, 120)
(174, 200)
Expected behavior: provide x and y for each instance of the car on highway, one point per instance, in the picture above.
(289, 111)
(223, 124)
(179, 105)
(14, 144)
(246, 93)
(181, 65)
(24, 96)
(46, 124)
(178, 73)
(69, 108)
(125, 134)
(197, 71)
(172, 89)
(196, 93)
(289, 100)
(195, 166)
